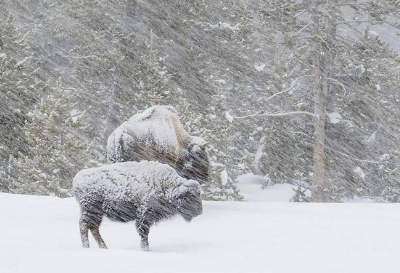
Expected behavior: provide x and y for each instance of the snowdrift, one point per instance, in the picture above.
(40, 234)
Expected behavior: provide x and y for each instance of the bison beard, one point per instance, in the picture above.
(194, 165)
(145, 192)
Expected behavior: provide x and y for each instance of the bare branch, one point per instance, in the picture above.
(354, 158)
(357, 21)
(289, 88)
(300, 13)
(303, 28)
(282, 114)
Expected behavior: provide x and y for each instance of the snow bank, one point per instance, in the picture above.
(250, 187)
(41, 235)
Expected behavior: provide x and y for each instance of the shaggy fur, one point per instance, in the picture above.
(157, 135)
(145, 192)
(195, 165)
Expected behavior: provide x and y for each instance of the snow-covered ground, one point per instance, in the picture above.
(250, 187)
(40, 234)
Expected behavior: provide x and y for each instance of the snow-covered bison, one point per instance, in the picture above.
(157, 134)
(146, 192)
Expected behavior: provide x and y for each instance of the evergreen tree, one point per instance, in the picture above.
(210, 126)
(326, 122)
(19, 88)
(57, 150)
(328, 47)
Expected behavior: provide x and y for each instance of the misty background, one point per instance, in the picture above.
(298, 92)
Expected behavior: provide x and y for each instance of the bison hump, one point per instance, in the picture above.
(159, 127)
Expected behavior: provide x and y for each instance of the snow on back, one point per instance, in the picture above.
(129, 180)
(158, 125)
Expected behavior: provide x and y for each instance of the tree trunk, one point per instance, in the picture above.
(320, 60)
(320, 97)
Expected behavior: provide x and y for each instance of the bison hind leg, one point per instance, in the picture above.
(96, 234)
(143, 228)
(91, 220)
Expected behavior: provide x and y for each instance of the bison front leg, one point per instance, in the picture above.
(143, 228)
(84, 229)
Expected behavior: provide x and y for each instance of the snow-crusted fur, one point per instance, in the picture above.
(155, 134)
(195, 164)
(146, 192)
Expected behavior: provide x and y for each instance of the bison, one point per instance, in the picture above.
(146, 192)
(157, 135)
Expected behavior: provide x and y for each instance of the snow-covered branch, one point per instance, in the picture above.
(279, 114)
(357, 21)
(290, 88)
(303, 28)
(300, 13)
(356, 159)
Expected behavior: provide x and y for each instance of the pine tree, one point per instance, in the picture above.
(256, 61)
(327, 47)
(154, 76)
(57, 151)
(214, 128)
(19, 90)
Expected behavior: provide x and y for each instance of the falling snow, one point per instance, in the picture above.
(258, 104)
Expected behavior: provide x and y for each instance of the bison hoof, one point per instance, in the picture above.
(145, 247)
(103, 246)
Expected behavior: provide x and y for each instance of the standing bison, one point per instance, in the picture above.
(146, 192)
(157, 135)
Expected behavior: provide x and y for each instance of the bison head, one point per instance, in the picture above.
(195, 164)
(189, 202)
